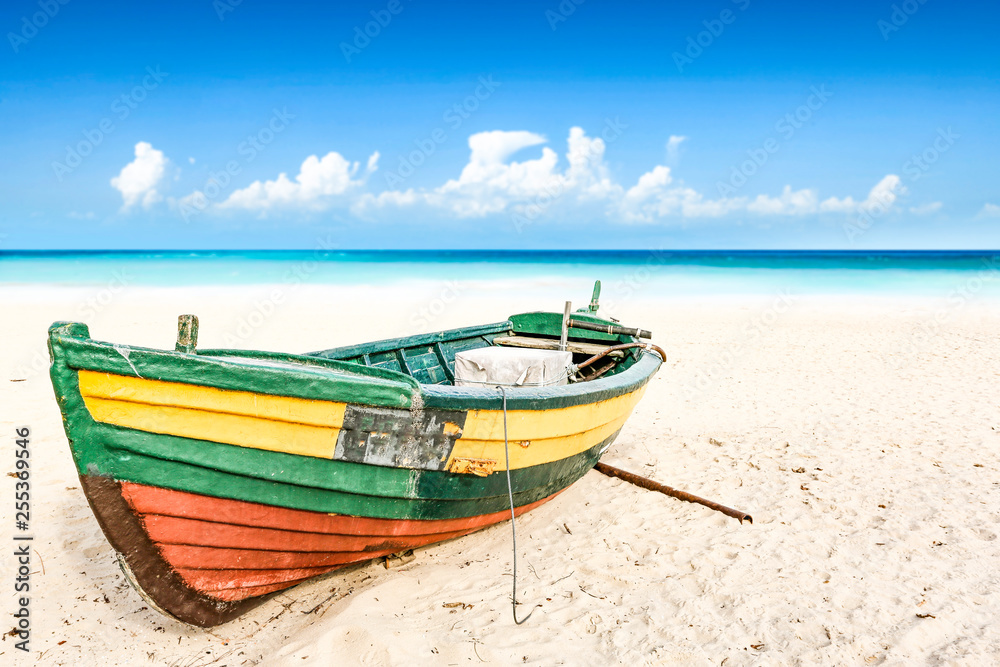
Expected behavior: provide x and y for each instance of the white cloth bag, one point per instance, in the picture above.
(512, 367)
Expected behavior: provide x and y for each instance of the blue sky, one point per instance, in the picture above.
(503, 125)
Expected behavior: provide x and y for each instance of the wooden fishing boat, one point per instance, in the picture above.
(222, 476)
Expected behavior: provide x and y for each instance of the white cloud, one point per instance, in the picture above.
(388, 198)
(318, 182)
(489, 184)
(674, 147)
(881, 198)
(789, 202)
(139, 179)
(490, 148)
(650, 184)
(653, 197)
(926, 209)
(587, 169)
(990, 211)
(543, 184)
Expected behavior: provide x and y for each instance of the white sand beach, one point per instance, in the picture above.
(862, 434)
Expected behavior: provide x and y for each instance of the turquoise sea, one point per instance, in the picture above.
(930, 273)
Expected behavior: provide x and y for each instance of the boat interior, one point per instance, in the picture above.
(430, 358)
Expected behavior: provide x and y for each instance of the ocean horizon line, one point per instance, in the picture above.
(687, 271)
(14, 252)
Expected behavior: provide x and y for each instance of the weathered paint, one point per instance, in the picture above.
(436, 494)
(276, 423)
(205, 560)
(467, 466)
(392, 437)
(299, 376)
(315, 483)
(187, 334)
(111, 387)
(257, 436)
(150, 500)
(399, 438)
(550, 324)
(550, 435)
(145, 566)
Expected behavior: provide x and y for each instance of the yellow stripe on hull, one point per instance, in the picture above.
(242, 418)
(525, 424)
(310, 428)
(534, 435)
(181, 395)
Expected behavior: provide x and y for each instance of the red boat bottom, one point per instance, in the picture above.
(232, 550)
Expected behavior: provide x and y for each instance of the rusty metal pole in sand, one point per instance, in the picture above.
(632, 478)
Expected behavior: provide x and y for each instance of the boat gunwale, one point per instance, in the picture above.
(313, 368)
(319, 379)
(415, 340)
